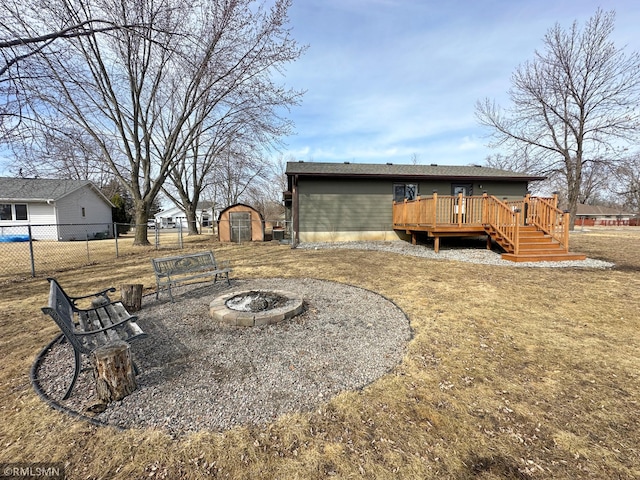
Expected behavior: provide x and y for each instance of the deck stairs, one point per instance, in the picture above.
(534, 245)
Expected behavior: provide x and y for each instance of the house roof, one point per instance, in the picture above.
(42, 189)
(598, 211)
(178, 211)
(348, 169)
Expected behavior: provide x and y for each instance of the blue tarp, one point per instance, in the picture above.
(14, 238)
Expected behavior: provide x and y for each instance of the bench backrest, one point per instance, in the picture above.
(62, 311)
(183, 264)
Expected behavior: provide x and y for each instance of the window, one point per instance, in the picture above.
(404, 190)
(21, 211)
(5, 211)
(83, 212)
(13, 212)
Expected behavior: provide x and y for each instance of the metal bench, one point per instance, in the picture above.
(171, 271)
(88, 329)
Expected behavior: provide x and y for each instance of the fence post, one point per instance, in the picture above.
(180, 234)
(86, 236)
(115, 236)
(33, 261)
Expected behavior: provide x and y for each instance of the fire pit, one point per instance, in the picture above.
(252, 308)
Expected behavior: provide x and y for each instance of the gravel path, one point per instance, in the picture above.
(471, 255)
(197, 374)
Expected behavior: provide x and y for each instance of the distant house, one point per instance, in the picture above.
(351, 201)
(54, 209)
(175, 216)
(592, 215)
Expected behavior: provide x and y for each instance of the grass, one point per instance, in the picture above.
(512, 373)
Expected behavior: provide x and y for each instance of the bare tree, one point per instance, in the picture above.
(238, 130)
(143, 97)
(576, 104)
(234, 175)
(265, 195)
(628, 183)
(24, 34)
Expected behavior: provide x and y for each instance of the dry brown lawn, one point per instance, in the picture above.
(512, 373)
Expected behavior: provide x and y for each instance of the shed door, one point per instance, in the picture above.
(240, 223)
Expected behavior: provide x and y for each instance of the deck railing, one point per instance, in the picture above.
(545, 215)
(505, 216)
(439, 211)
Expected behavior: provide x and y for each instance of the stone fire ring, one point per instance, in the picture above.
(219, 311)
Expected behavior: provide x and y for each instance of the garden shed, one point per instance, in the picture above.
(240, 223)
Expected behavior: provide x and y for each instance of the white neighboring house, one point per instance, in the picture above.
(175, 216)
(56, 209)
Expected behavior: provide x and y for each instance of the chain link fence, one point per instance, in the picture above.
(28, 250)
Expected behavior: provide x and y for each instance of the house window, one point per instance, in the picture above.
(21, 211)
(404, 190)
(13, 212)
(5, 211)
(83, 212)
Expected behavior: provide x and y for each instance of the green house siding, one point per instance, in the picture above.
(344, 206)
(359, 205)
(347, 213)
(499, 189)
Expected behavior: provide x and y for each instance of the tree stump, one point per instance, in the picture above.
(113, 371)
(131, 296)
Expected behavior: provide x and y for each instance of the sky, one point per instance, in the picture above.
(397, 80)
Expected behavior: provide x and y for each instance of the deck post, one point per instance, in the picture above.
(516, 233)
(459, 210)
(435, 209)
(526, 205)
(485, 213)
(404, 212)
(565, 224)
(436, 244)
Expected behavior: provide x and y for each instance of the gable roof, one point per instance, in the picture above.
(390, 170)
(42, 189)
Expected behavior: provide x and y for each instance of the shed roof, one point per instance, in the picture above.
(390, 170)
(42, 189)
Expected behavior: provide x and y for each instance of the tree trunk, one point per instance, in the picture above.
(113, 371)
(141, 237)
(131, 296)
(192, 218)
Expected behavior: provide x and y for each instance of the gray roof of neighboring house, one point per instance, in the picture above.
(598, 211)
(41, 189)
(348, 169)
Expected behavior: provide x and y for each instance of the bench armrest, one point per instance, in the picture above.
(102, 293)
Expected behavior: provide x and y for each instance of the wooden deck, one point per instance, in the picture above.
(531, 229)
